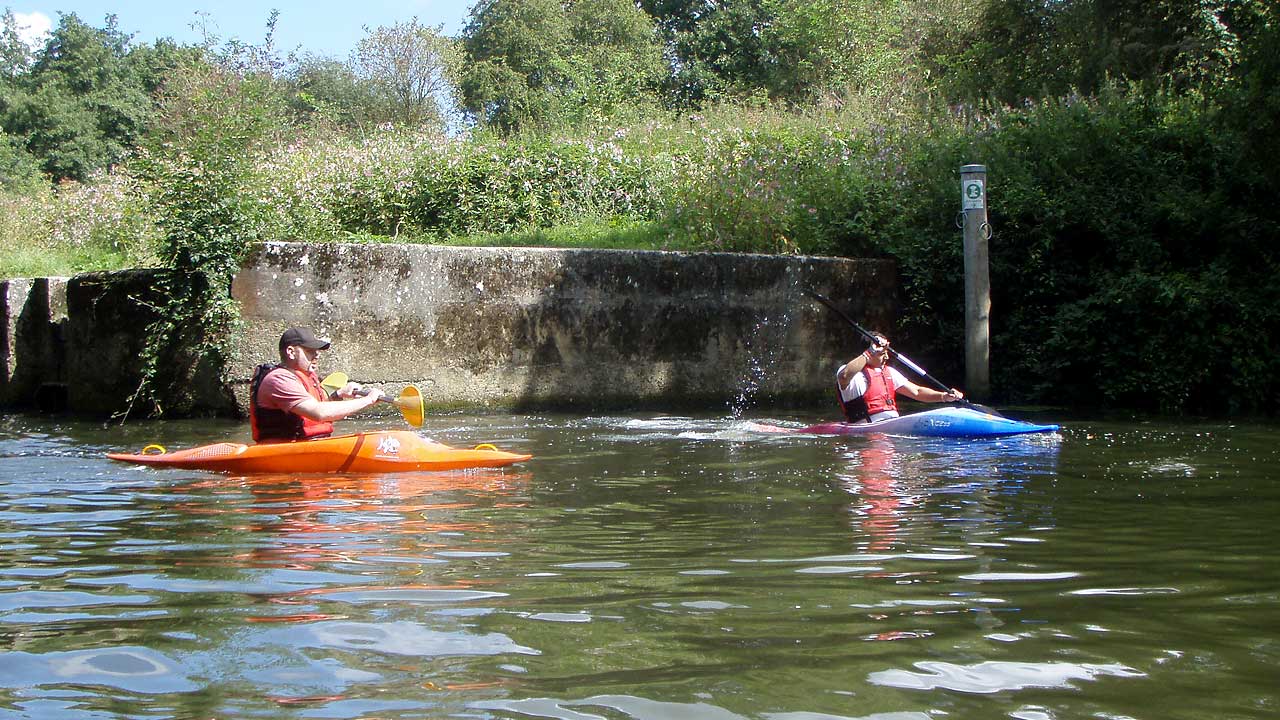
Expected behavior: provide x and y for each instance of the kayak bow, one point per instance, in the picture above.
(940, 422)
(368, 452)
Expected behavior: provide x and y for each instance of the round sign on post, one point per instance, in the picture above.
(974, 194)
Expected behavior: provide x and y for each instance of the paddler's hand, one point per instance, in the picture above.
(370, 394)
(348, 391)
(879, 346)
(952, 395)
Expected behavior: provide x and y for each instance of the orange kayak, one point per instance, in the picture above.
(367, 452)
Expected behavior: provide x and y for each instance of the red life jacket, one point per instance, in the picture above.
(272, 425)
(881, 395)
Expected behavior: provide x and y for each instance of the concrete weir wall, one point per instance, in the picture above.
(35, 315)
(509, 327)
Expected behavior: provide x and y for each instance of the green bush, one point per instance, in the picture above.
(1131, 236)
(396, 184)
(215, 125)
(786, 185)
(496, 185)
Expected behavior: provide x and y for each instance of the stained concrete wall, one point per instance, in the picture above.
(31, 346)
(75, 342)
(511, 327)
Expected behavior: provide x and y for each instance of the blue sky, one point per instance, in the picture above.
(321, 27)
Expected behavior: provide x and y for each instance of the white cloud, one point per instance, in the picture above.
(33, 28)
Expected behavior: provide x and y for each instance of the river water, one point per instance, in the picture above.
(649, 567)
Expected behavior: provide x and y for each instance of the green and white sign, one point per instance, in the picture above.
(973, 193)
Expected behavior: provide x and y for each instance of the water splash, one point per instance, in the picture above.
(765, 345)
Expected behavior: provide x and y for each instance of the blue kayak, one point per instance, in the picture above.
(941, 422)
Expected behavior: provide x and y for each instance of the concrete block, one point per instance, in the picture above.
(533, 327)
(522, 328)
(109, 315)
(35, 313)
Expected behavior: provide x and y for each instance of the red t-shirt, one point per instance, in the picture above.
(281, 389)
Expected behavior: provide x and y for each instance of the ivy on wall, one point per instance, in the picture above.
(216, 124)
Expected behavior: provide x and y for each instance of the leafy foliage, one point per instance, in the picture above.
(83, 104)
(401, 184)
(74, 227)
(533, 64)
(1253, 103)
(408, 66)
(19, 170)
(215, 122)
(794, 51)
(1125, 237)
(328, 91)
(15, 55)
(1019, 49)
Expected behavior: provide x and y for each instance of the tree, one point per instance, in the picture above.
(789, 50)
(826, 49)
(82, 104)
(407, 66)
(18, 170)
(330, 89)
(1019, 49)
(716, 46)
(1254, 96)
(215, 120)
(515, 51)
(532, 63)
(615, 60)
(15, 55)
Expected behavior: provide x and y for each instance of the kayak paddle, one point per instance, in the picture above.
(409, 401)
(334, 381)
(895, 355)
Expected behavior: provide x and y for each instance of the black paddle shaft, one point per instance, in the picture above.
(871, 338)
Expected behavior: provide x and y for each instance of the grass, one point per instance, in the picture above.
(38, 261)
(58, 231)
(588, 234)
(35, 261)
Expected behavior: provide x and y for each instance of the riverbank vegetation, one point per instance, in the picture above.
(1127, 143)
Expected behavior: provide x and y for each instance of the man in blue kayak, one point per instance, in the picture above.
(869, 386)
(286, 401)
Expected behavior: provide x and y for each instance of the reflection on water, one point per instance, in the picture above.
(648, 567)
(991, 677)
(889, 476)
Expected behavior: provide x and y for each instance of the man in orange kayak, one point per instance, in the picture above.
(868, 386)
(287, 402)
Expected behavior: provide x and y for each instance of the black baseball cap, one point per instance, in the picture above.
(303, 337)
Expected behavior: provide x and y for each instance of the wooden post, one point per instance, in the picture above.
(977, 282)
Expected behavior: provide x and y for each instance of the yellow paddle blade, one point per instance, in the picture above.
(410, 404)
(333, 382)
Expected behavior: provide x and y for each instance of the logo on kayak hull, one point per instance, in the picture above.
(389, 446)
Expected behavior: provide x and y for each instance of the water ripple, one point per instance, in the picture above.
(1021, 576)
(665, 568)
(996, 676)
(135, 669)
(404, 638)
(409, 595)
(627, 705)
(1126, 591)
(27, 599)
